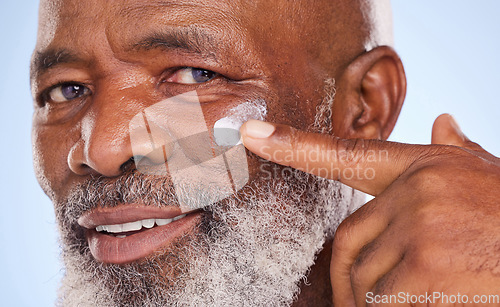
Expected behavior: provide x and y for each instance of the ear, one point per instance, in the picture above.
(370, 94)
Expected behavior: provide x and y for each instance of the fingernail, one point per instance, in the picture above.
(258, 129)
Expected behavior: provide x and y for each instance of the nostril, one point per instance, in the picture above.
(81, 169)
(76, 161)
(129, 164)
(154, 163)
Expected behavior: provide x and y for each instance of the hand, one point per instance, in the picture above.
(433, 226)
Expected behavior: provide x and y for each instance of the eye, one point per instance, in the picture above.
(191, 75)
(66, 92)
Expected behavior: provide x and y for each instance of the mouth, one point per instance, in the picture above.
(128, 233)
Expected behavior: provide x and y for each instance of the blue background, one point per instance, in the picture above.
(450, 51)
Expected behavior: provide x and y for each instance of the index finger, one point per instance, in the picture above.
(366, 165)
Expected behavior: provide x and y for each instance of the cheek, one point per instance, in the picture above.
(50, 152)
(226, 130)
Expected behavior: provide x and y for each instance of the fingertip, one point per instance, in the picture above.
(446, 131)
(257, 129)
(450, 121)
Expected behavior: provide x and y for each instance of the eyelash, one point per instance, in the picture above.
(44, 97)
(213, 74)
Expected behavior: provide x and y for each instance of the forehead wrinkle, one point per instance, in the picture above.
(140, 8)
(183, 13)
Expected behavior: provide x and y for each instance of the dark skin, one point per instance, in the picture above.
(257, 61)
(433, 224)
(413, 237)
(91, 44)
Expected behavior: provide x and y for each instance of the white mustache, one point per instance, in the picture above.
(132, 187)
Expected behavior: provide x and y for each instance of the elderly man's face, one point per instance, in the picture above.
(98, 64)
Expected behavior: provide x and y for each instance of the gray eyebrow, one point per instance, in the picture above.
(43, 61)
(189, 39)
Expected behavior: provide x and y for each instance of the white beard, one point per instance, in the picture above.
(253, 255)
(252, 250)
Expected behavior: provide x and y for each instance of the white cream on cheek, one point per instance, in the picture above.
(226, 129)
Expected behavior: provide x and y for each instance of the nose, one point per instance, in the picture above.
(104, 147)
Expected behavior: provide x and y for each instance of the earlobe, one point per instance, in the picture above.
(372, 91)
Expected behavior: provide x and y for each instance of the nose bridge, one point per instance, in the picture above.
(105, 129)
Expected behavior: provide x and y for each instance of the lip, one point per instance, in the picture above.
(110, 249)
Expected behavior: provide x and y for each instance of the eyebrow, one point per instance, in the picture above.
(189, 39)
(43, 61)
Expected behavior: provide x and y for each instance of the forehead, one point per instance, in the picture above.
(129, 17)
(269, 36)
(118, 21)
(88, 25)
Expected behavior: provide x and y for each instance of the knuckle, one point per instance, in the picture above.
(342, 240)
(429, 258)
(357, 276)
(429, 178)
(429, 216)
(360, 270)
(429, 248)
(386, 284)
(442, 163)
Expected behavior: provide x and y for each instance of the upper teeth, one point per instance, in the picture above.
(132, 226)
